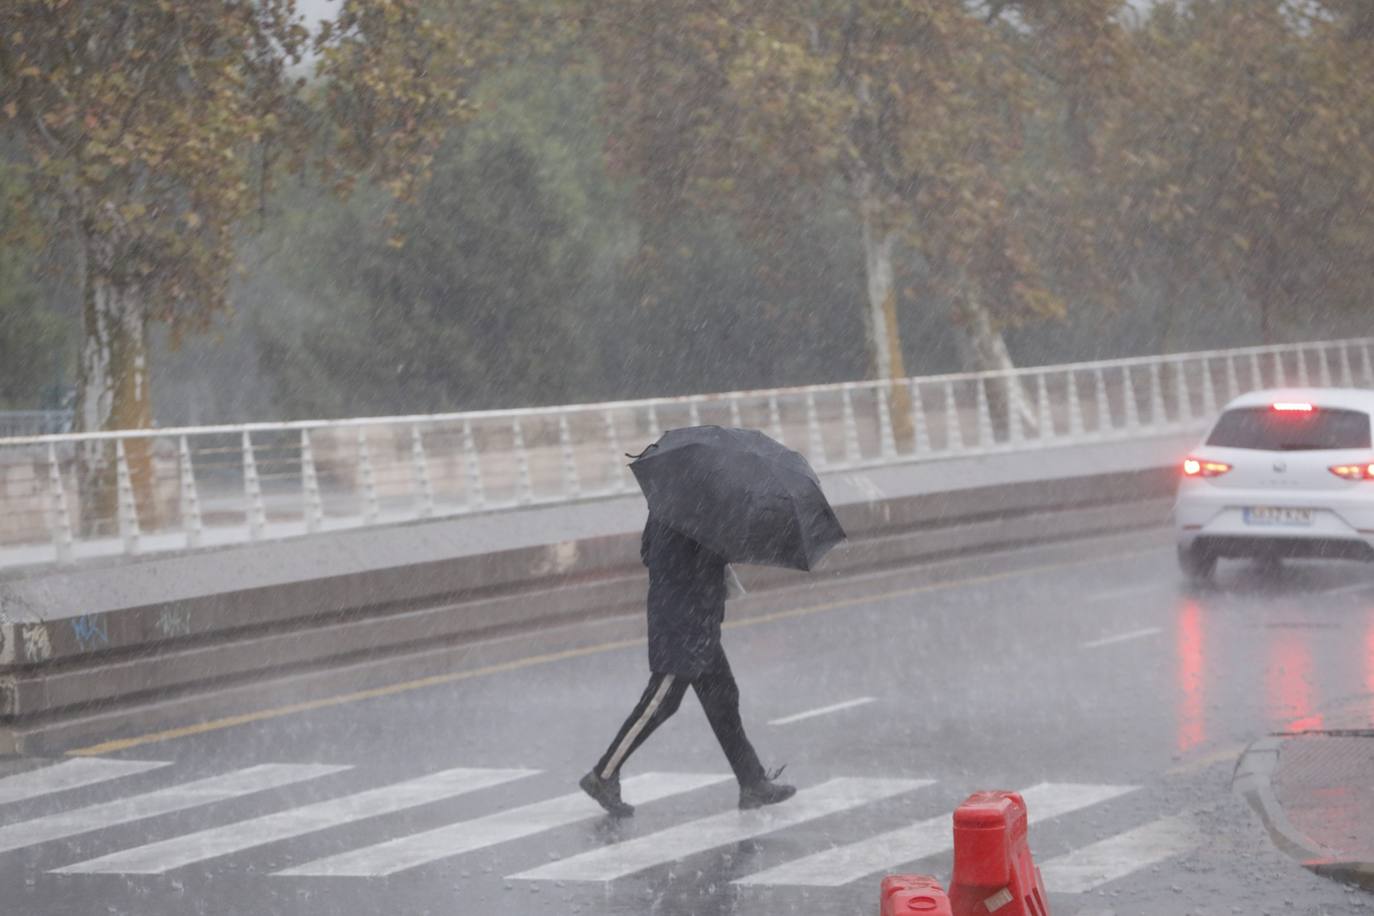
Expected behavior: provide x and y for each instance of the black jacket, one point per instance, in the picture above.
(686, 601)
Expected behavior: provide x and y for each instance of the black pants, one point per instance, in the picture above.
(719, 695)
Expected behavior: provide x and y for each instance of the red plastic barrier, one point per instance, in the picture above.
(993, 871)
(913, 895)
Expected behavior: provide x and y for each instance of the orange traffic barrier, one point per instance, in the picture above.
(993, 870)
(913, 895)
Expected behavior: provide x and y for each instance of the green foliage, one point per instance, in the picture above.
(33, 336)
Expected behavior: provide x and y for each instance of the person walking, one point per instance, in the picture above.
(686, 605)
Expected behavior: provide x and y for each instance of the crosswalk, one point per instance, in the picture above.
(132, 819)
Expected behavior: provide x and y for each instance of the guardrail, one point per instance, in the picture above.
(65, 497)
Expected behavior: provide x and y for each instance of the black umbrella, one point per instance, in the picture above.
(745, 496)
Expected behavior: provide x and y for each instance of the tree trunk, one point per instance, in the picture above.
(880, 317)
(112, 392)
(985, 350)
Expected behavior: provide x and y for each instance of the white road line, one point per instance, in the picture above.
(1115, 857)
(157, 858)
(1121, 637)
(1129, 591)
(811, 713)
(1347, 589)
(933, 836)
(163, 801)
(675, 843)
(407, 852)
(70, 774)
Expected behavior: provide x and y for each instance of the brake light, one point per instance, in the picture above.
(1197, 467)
(1353, 471)
(1293, 407)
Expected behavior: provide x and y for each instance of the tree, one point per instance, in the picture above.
(1247, 157)
(152, 127)
(917, 109)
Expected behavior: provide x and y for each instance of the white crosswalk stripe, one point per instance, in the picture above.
(454, 839)
(163, 801)
(1090, 867)
(70, 774)
(1084, 869)
(929, 837)
(156, 858)
(675, 843)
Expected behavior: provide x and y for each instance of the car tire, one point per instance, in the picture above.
(1195, 564)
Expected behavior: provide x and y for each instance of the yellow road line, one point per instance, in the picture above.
(121, 744)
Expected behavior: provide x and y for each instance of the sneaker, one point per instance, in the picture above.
(606, 793)
(766, 791)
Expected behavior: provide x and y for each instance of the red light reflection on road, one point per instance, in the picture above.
(1288, 682)
(1369, 666)
(1192, 725)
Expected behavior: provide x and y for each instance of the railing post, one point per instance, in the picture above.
(851, 427)
(1232, 380)
(1104, 406)
(1181, 393)
(693, 412)
(735, 419)
(525, 487)
(920, 431)
(62, 539)
(954, 432)
(1209, 394)
(1012, 389)
(1303, 380)
(1076, 431)
(419, 468)
(127, 509)
(775, 417)
(1158, 419)
(1280, 377)
(654, 429)
(1323, 367)
(252, 492)
(617, 456)
(190, 499)
(1256, 372)
(816, 443)
(986, 437)
(1131, 413)
(477, 498)
(887, 442)
(572, 484)
(1347, 380)
(1042, 407)
(1366, 369)
(371, 508)
(310, 486)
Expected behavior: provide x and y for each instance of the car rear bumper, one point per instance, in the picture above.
(1342, 523)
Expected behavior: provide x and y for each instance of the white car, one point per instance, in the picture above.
(1283, 473)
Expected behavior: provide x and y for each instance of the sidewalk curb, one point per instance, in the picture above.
(1253, 781)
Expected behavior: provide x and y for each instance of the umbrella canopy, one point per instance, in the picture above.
(745, 496)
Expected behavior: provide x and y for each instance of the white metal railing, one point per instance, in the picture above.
(68, 496)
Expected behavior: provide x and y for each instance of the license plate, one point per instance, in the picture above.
(1274, 515)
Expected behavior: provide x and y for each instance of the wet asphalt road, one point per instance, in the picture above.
(1085, 666)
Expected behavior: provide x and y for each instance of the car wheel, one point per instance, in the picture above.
(1197, 565)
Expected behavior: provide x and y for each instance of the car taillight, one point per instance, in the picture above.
(1198, 467)
(1353, 471)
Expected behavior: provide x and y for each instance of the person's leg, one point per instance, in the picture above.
(719, 695)
(660, 700)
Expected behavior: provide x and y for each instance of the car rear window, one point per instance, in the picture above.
(1282, 430)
